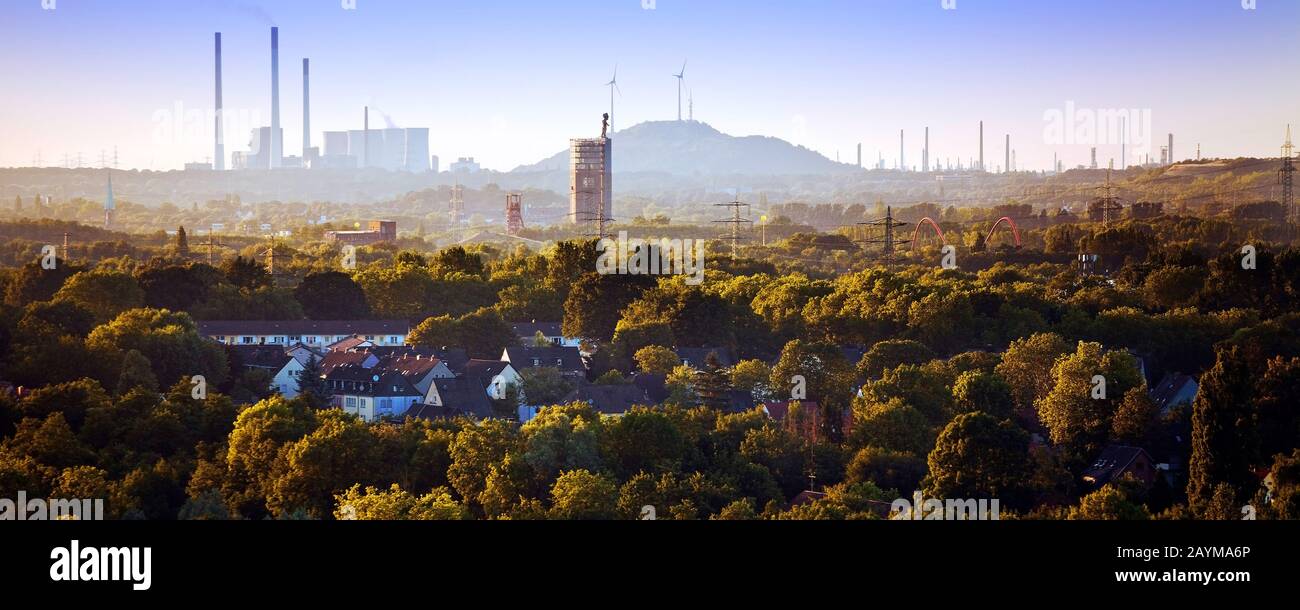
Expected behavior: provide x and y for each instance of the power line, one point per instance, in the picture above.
(736, 221)
(886, 226)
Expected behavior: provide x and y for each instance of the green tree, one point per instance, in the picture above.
(1077, 414)
(1025, 365)
(1224, 437)
(1135, 418)
(581, 495)
(474, 452)
(311, 382)
(103, 293)
(657, 360)
(339, 453)
(544, 386)
(396, 504)
(170, 341)
(985, 392)
(889, 354)
(886, 469)
(1108, 504)
(332, 295)
(979, 456)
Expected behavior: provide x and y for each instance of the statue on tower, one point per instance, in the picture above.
(604, 126)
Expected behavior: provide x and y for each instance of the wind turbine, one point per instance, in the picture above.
(613, 86)
(681, 78)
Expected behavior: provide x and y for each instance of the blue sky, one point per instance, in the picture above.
(509, 82)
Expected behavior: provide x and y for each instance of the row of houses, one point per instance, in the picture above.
(368, 370)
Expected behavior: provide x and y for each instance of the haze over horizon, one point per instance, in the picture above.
(510, 82)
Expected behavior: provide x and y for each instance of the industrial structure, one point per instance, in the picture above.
(110, 206)
(377, 231)
(882, 231)
(277, 136)
(591, 178)
(736, 221)
(219, 154)
(456, 210)
(1287, 178)
(514, 214)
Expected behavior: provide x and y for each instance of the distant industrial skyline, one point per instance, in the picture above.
(511, 82)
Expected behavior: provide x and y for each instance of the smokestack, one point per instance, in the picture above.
(365, 140)
(902, 160)
(1008, 165)
(859, 154)
(277, 146)
(925, 153)
(306, 111)
(981, 167)
(1123, 143)
(1171, 149)
(219, 154)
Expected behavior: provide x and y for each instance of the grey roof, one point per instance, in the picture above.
(294, 328)
(610, 399)
(1112, 461)
(567, 359)
(467, 397)
(267, 357)
(353, 379)
(484, 371)
(434, 412)
(1168, 388)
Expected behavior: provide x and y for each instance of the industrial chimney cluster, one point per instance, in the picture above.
(392, 148)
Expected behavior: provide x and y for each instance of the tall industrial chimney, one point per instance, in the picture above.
(925, 152)
(981, 167)
(902, 159)
(1007, 167)
(365, 140)
(277, 146)
(1171, 149)
(859, 154)
(219, 154)
(306, 112)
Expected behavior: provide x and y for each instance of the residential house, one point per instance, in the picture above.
(418, 370)
(304, 354)
(567, 359)
(1117, 461)
(1176, 389)
(311, 333)
(460, 394)
(494, 376)
(373, 395)
(277, 362)
(550, 331)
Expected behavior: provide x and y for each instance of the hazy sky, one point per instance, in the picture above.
(509, 82)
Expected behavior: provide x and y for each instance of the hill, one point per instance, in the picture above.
(691, 148)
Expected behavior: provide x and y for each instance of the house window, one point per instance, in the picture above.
(559, 362)
(246, 340)
(537, 362)
(351, 402)
(311, 340)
